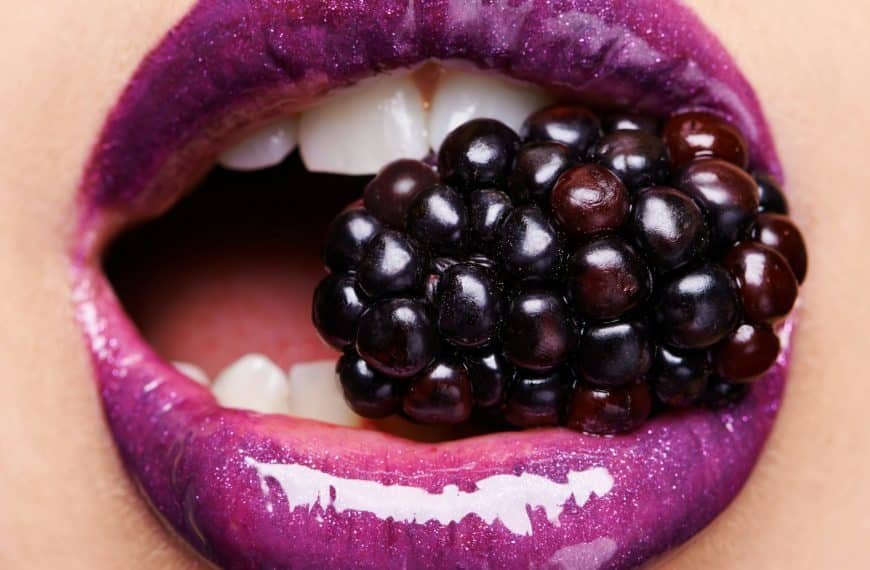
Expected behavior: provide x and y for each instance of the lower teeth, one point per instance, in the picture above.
(654, 270)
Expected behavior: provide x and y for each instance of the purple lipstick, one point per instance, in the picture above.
(249, 490)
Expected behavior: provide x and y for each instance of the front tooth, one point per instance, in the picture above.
(360, 129)
(315, 393)
(462, 96)
(267, 146)
(253, 382)
(192, 371)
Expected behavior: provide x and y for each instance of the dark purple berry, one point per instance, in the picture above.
(538, 334)
(727, 194)
(538, 166)
(535, 400)
(747, 352)
(571, 125)
(669, 227)
(528, 245)
(490, 374)
(440, 395)
(614, 354)
(770, 196)
(347, 237)
(368, 393)
(639, 159)
(607, 278)
(437, 218)
(766, 284)
(608, 411)
(721, 393)
(478, 154)
(338, 304)
(631, 122)
(589, 199)
(701, 135)
(680, 378)
(397, 338)
(388, 195)
(469, 305)
(778, 232)
(390, 265)
(486, 210)
(697, 307)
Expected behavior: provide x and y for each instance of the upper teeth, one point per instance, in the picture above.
(358, 130)
(253, 382)
(462, 96)
(267, 146)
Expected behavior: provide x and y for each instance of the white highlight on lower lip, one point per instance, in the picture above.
(584, 556)
(497, 497)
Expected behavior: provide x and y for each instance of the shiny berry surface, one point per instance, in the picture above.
(680, 377)
(766, 284)
(388, 195)
(391, 264)
(538, 334)
(669, 227)
(486, 210)
(528, 245)
(727, 194)
(770, 196)
(478, 154)
(589, 199)
(537, 400)
(631, 122)
(615, 354)
(639, 159)
(538, 166)
(469, 305)
(747, 352)
(697, 307)
(721, 393)
(571, 125)
(490, 374)
(347, 237)
(607, 278)
(441, 394)
(609, 411)
(703, 135)
(338, 304)
(368, 393)
(397, 337)
(437, 218)
(778, 232)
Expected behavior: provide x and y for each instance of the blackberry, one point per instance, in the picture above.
(550, 278)
(588, 200)
(700, 135)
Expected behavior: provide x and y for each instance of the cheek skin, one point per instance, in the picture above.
(60, 480)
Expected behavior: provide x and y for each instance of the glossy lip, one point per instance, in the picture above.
(251, 491)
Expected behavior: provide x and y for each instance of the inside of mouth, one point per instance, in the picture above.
(229, 271)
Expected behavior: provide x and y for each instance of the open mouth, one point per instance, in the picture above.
(179, 260)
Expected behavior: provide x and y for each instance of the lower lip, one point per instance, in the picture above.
(268, 491)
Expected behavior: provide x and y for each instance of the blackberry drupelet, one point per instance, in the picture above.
(566, 275)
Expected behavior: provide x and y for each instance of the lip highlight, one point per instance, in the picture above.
(251, 491)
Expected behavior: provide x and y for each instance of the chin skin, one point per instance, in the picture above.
(250, 491)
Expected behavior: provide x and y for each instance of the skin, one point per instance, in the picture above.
(65, 497)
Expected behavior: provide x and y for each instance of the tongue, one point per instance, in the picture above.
(231, 269)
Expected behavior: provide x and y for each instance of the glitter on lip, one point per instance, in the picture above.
(231, 60)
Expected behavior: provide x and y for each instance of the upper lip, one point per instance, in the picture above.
(242, 487)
